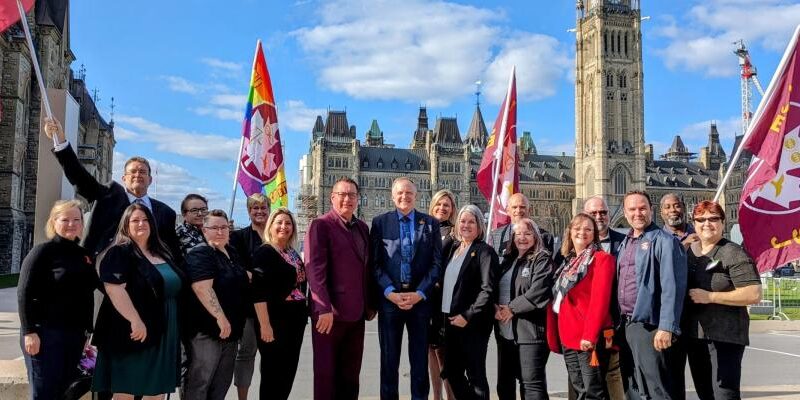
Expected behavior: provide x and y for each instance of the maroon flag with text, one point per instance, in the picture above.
(498, 176)
(769, 210)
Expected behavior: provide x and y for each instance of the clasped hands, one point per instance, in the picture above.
(503, 313)
(404, 301)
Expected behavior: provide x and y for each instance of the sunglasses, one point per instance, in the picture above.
(709, 219)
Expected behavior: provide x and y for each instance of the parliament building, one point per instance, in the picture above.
(611, 156)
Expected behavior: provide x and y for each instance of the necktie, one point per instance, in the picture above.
(406, 249)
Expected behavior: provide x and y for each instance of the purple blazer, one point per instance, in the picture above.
(337, 268)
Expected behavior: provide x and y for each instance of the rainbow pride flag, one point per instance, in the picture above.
(261, 166)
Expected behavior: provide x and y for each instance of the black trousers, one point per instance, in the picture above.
(523, 362)
(716, 368)
(588, 382)
(626, 365)
(465, 360)
(280, 357)
(55, 366)
(659, 374)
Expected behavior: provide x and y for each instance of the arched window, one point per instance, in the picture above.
(620, 181)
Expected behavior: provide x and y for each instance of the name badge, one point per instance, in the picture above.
(526, 272)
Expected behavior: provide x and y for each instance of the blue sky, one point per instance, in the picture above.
(179, 72)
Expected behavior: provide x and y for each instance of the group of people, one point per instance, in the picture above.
(189, 306)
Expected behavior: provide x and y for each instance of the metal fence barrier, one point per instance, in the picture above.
(780, 298)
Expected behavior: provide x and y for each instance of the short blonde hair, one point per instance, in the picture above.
(281, 211)
(59, 207)
(476, 212)
(257, 198)
(440, 195)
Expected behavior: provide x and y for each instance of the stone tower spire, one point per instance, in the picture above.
(609, 125)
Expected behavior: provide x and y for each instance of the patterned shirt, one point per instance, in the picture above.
(189, 237)
(291, 257)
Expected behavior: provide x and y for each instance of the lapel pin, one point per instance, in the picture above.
(473, 254)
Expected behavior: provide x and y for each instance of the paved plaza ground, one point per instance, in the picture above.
(770, 364)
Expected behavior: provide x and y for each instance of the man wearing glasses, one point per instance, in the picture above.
(110, 200)
(194, 208)
(336, 252)
(609, 239)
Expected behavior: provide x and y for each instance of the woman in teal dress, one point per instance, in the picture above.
(137, 326)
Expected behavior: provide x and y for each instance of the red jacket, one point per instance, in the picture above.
(585, 311)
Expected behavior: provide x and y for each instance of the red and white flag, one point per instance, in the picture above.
(769, 210)
(498, 175)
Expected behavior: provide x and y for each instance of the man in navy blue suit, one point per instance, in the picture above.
(406, 250)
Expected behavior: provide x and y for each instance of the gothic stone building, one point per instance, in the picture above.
(611, 156)
(19, 122)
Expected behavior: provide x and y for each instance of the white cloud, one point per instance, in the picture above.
(702, 39)
(224, 106)
(219, 113)
(727, 128)
(541, 63)
(431, 52)
(178, 141)
(172, 182)
(222, 65)
(296, 116)
(179, 84)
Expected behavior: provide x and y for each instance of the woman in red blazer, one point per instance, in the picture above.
(581, 299)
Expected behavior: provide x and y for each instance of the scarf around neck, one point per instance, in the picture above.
(572, 272)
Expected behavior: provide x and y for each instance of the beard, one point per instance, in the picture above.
(674, 221)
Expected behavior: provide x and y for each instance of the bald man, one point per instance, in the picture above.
(517, 209)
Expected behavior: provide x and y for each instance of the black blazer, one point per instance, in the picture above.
(531, 292)
(616, 241)
(473, 293)
(56, 287)
(385, 247)
(110, 202)
(125, 264)
(245, 241)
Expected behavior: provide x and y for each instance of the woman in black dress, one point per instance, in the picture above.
(443, 208)
(279, 293)
(56, 300)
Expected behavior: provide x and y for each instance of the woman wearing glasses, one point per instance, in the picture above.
(137, 326)
(722, 282)
(279, 294)
(194, 208)
(216, 312)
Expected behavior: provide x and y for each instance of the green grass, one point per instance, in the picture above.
(8, 280)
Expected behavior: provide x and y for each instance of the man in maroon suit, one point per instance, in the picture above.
(336, 252)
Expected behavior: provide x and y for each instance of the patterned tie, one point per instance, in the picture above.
(406, 249)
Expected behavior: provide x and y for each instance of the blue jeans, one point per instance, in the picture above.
(391, 321)
(55, 366)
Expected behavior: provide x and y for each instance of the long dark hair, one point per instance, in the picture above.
(154, 243)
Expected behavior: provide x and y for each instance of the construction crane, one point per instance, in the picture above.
(749, 76)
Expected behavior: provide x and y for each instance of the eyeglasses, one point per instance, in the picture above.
(599, 213)
(351, 195)
(137, 172)
(198, 211)
(220, 229)
(709, 219)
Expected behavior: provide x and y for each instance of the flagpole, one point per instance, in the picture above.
(35, 62)
(498, 151)
(236, 177)
(760, 110)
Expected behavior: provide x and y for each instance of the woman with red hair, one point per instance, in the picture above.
(722, 282)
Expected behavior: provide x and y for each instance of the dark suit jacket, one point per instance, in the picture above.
(473, 293)
(245, 241)
(110, 202)
(337, 268)
(616, 241)
(385, 247)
